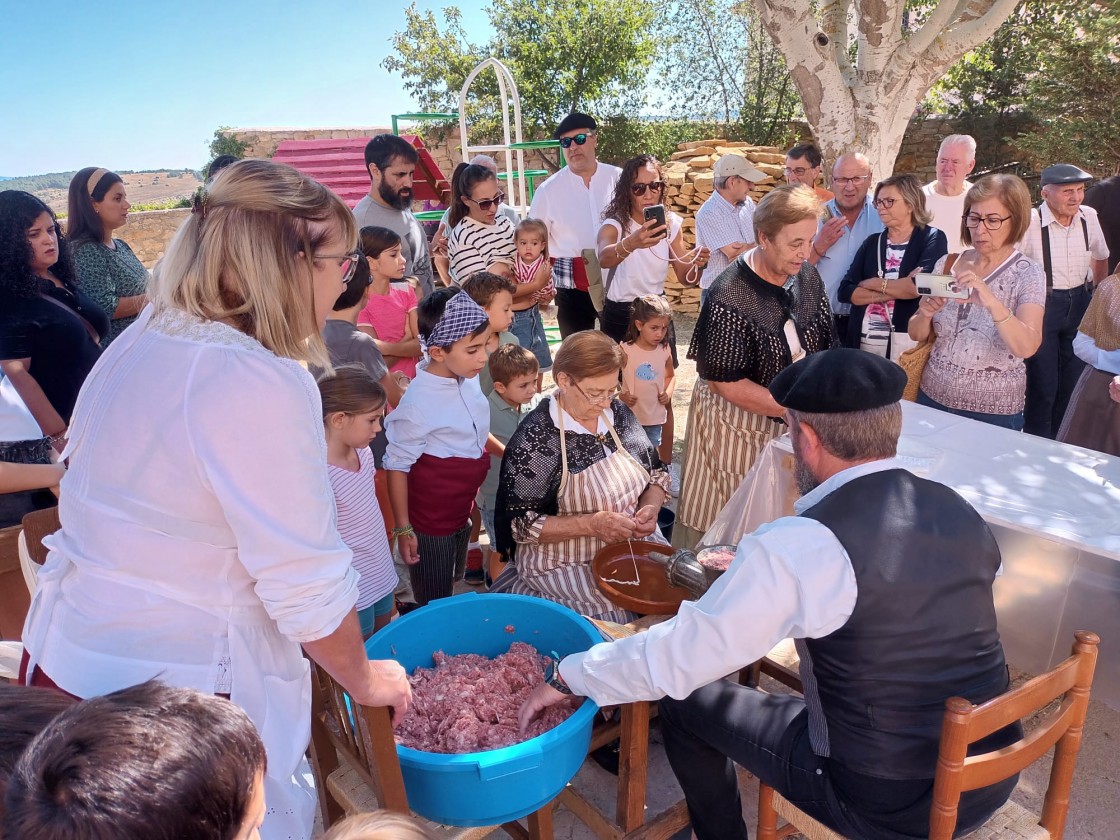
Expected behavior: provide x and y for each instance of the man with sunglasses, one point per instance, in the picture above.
(851, 219)
(391, 162)
(571, 204)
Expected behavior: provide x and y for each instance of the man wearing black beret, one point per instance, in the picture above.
(571, 204)
(883, 579)
(1066, 237)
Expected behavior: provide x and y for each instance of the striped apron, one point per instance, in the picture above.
(561, 571)
(723, 443)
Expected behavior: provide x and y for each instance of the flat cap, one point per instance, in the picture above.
(573, 121)
(1064, 173)
(840, 380)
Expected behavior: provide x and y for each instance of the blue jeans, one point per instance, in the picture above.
(654, 435)
(1053, 371)
(529, 329)
(1005, 421)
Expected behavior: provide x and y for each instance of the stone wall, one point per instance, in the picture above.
(918, 153)
(149, 233)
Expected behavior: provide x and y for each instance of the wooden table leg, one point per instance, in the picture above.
(633, 765)
(540, 823)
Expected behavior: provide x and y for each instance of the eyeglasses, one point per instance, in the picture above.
(990, 222)
(640, 189)
(579, 140)
(348, 265)
(885, 203)
(799, 171)
(599, 396)
(855, 180)
(487, 203)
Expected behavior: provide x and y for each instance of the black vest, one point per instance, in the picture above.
(923, 628)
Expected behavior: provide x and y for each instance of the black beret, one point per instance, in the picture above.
(1064, 173)
(839, 380)
(573, 121)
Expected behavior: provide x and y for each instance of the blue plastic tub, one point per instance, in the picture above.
(492, 787)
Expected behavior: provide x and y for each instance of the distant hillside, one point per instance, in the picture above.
(148, 186)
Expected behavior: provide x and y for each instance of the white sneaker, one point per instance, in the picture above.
(674, 480)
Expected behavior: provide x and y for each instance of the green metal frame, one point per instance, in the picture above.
(421, 117)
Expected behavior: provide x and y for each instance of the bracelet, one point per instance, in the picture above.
(883, 287)
(625, 251)
(406, 531)
(1003, 320)
(58, 437)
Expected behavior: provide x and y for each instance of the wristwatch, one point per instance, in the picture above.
(552, 676)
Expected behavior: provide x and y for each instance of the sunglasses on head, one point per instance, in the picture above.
(640, 189)
(579, 139)
(487, 203)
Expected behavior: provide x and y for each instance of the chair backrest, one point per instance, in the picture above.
(27, 565)
(36, 526)
(363, 735)
(965, 724)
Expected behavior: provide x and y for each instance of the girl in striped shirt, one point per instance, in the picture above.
(353, 406)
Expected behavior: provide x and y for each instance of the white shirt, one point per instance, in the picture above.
(572, 210)
(1087, 351)
(790, 579)
(720, 223)
(16, 420)
(644, 270)
(1071, 263)
(445, 417)
(947, 211)
(198, 540)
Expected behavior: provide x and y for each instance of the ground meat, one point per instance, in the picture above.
(717, 558)
(510, 628)
(469, 703)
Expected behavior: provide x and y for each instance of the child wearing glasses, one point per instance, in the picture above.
(481, 237)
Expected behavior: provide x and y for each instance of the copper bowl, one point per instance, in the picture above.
(653, 595)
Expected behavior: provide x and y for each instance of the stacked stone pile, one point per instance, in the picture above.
(689, 172)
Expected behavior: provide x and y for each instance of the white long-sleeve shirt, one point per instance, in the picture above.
(1088, 352)
(790, 578)
(445, 417)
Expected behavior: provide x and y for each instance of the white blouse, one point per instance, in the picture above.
(644, 270)
(198, 540)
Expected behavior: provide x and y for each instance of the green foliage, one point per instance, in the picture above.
(564, 56)
(1045, 87)
(224, 143)
(719, 65)
(168, 204)
(35, 183)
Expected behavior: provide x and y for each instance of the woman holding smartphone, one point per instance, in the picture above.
(976, 366)
(637, 243)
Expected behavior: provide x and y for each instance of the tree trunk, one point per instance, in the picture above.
(865, 106)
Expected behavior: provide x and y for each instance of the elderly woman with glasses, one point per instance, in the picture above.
(635, 251)
(768, 309)
(880, 283)
(578, 474)
(976, 366)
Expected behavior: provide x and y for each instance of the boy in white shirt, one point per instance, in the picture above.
(437, 444)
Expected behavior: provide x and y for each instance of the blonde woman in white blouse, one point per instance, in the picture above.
(198, 540)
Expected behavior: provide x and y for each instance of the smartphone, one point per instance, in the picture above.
(939, 285)
(657, 212)
(828, 213)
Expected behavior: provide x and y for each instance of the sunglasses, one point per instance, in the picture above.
(579, 140)
(640, 189)
(487, 203)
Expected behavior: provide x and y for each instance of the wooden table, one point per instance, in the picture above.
(632, 731)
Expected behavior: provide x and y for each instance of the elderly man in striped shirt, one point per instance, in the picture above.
(725, 223)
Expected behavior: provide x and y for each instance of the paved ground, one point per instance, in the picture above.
(1096, 786)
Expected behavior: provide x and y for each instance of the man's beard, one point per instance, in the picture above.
(394, 198)
(806, 481)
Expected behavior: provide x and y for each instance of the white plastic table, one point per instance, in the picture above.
(1054, 509)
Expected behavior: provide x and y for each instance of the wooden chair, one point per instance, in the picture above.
(956, 772)
(37, 525)
(368, 776)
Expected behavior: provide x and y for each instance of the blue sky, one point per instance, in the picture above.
(142, 84)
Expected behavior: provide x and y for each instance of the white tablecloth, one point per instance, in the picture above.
(1055, 511)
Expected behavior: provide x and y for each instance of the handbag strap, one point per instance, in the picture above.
(89, 327)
